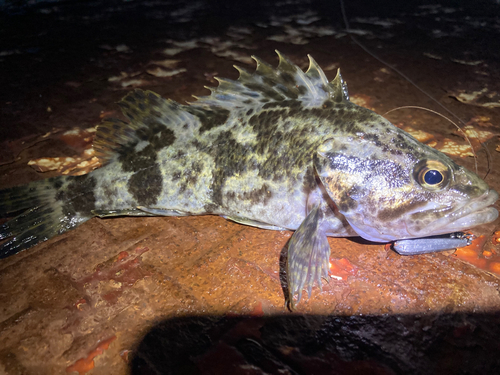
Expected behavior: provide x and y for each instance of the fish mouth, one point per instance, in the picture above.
(475, 212)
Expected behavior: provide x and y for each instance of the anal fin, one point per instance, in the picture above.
(252, 223)
(115, 213)
(138, 211)
(162, 212)
(308, 256)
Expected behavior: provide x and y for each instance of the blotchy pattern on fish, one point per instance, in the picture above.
(277, 149)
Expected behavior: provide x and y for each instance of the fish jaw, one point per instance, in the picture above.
(428, 220)
(475, 212)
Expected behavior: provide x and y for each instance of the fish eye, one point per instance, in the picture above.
(433, 177)
(432, 174)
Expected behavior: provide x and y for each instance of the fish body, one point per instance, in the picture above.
(277, 149)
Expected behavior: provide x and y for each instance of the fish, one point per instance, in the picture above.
(277, 149)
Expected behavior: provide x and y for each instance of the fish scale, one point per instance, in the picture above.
(278, 148)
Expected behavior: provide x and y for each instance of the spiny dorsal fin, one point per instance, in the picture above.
(157, 121)
(268, 84)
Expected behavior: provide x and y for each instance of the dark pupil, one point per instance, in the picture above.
(433, 177)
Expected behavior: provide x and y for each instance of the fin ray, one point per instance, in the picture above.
(50, 206)
(308, 256)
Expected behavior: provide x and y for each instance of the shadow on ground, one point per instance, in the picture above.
(315, 344)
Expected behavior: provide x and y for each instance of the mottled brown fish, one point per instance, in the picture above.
(276, 149)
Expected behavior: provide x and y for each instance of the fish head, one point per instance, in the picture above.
(389, 186)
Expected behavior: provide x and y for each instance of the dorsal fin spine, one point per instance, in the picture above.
(244, 74)
(263, 68)
(315, 69)
(339, 87)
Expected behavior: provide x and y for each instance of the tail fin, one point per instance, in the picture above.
(50, 206)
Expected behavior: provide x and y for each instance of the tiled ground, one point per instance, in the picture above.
(204, 295)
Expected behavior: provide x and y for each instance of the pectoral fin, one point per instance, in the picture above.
(308, 256)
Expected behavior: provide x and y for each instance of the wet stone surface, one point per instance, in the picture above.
(190, 295)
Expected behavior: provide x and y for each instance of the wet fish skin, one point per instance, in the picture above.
(276, 149)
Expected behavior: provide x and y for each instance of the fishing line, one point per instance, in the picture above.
(439, 114)
(359, 44)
